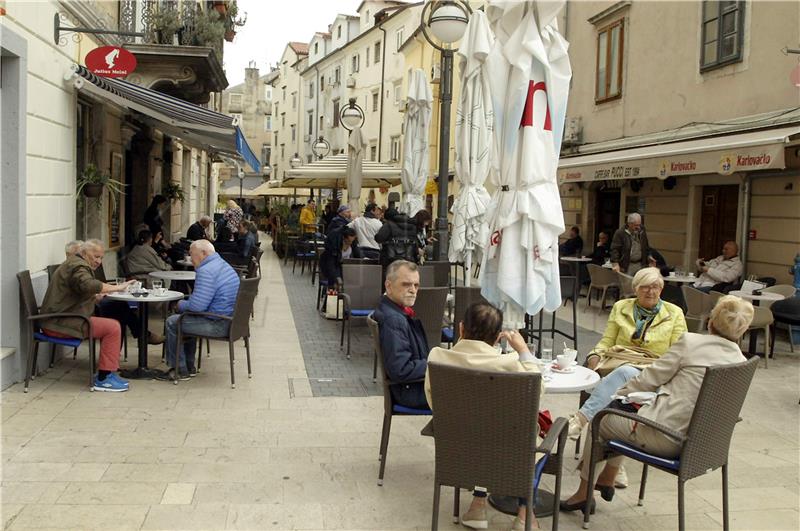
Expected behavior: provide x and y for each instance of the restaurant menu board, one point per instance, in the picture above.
(115, 205)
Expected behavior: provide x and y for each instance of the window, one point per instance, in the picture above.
(366, 55)
(234, 101)
(283, 152)
(283, 93)
(267, 123)
(399, 38)
(264, 154)
(395, 140)
(373, 153)
(377, 58)
(237, 117)
(283, 119)
(355, 60)
(375, 100)
(294, 100)
(398, 94)
(310, 123)
(316, 48)
(610, 47)
(321, 84)
(337, 75)
(294, 132)
(722, 31)
(321, 124)
(311, 89)
(268, 93)
(335, 113)
(339, 31)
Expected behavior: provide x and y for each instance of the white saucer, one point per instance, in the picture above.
(569, 370)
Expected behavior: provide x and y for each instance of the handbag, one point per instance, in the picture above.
(616, 356)
(334, 306)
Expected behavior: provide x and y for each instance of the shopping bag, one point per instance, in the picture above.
(334, 307)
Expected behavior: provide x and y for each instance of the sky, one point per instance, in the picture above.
(273, 23)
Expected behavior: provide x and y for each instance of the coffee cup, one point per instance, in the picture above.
(672, 273)
(565, 359)
(159, 292)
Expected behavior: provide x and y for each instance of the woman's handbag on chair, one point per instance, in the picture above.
(616, 356)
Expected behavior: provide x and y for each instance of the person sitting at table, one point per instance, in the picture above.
(246, 244)
(308, 218)
(343, 216)
(366, 227)
(724, 269)
(675, 378)
(215, 289)
(402, 338)
(601, 252)
(143, 258)
(74, 289)
(480, 331)
(224, 242)
(339, 244)
(639, 330)
(573, 246)
(199, 229)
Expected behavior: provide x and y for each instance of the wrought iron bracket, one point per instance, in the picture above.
(58, 29)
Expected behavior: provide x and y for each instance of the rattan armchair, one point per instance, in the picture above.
(361, 292)
(491, 442)
(429, 307)
(705, 446)
(390, 407)
(698, 304)
(239, 326)
(465, 296)
(33, 317)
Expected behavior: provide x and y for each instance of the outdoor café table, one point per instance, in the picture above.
(185, 263)
(681, 279)
(174, 275)
(751, 347)
(142, 372)
(580, 379)
(576, 261)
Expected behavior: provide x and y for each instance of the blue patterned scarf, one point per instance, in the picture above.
(643, 318)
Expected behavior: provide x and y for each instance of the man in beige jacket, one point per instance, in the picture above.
(480, 331)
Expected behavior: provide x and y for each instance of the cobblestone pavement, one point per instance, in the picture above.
(330, 373)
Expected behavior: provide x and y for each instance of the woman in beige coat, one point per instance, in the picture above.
(676, 377)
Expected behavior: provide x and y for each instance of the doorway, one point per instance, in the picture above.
(718, 216)
(606, 213)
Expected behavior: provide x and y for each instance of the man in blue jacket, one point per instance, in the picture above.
(215, 290)
(403, 341)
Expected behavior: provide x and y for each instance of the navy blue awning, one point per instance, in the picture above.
(189, 122)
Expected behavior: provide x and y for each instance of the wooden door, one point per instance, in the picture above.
(719, 212)
(607, 213)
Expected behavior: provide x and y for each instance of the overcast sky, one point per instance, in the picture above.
(271, 24)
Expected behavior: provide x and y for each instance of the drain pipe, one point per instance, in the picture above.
(380, 101)
(743, 246)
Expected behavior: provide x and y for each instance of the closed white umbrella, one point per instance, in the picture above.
(355, 153)
(415, 143)
(529, 74)
(473, 143)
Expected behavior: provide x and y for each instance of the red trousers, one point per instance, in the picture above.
(110, 336)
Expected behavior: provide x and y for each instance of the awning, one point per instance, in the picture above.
(191, 123)
(265, 190)
(756, 150)
(331, 172)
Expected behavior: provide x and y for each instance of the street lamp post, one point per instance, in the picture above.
(352, 115)
(447, 20)
(321, 148)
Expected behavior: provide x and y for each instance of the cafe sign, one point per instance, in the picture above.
(111, 61)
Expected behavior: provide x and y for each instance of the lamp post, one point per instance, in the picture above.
(447, 20)
(321, 148)
(351, 115)
(295, 161)
(240, 172)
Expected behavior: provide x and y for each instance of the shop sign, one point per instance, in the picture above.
(111, 61)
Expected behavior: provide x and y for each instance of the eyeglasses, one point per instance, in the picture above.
(652, 287)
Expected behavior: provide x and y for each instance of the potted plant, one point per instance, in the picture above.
(232, 21)
(166, 24)
(173, 191)
(209, 29)
(91, 183)
(221, 8)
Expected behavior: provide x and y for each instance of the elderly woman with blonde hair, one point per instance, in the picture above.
(674, 380)
(233, 215)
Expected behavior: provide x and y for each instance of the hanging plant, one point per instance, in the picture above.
(91, 183)
(173, 191)
(233, 21)
(209, 28)
(166, 24)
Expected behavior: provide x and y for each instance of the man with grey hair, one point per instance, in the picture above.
(724, 269)
(630, 250)
(215, 289)
(198, 229)
(72, 248)
(403, 341)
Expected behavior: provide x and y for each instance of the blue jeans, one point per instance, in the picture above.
(191, 324)
(601, 395)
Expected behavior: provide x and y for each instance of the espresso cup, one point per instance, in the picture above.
(565, 359)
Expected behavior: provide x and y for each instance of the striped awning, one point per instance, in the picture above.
(189, 122)
(331, 172)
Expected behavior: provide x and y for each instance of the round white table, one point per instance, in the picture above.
(185, 263)
(580, 379)
(141, 372)
(757, 298)
(681, 279)
(608, 265)
(173, 275)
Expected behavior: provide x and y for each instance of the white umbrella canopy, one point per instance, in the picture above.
(529, 75)
(415, 144)
(473, 143)
(355, 153)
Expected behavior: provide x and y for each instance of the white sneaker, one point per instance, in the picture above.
(475, 518)
(575, 427)
(519, 525)
(621, 481)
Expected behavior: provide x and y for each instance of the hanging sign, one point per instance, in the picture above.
(111, 61)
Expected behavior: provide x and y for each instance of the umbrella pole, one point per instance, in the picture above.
(445, 98)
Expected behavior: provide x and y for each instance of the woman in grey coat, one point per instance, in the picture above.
(143, 258)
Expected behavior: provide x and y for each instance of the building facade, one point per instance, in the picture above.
(700, 135)
(287, 108)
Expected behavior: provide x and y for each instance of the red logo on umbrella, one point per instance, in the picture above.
(497, 236)
(111, 61)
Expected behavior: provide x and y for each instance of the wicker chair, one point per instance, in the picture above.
(704, 447)
(698, 304)
(485, 442)
(434, 274)
(762, 322)
(603, 280)
(239, 325)
(361, 293)
(625, 285)
(390, 408)
(429, 308)
(782, 289)
(465, 296)
(32, 315)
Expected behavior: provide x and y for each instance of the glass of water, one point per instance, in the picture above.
(158, 284)
(546, 346)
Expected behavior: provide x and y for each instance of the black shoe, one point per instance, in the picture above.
(607, 493)
(169, 376)
(569, 507)
(192, 372)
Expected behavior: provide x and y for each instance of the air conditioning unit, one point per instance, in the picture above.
(573, 131)
(351, 82)
(436, 74)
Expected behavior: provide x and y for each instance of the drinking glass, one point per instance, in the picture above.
(158, 284)
(546, 344)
